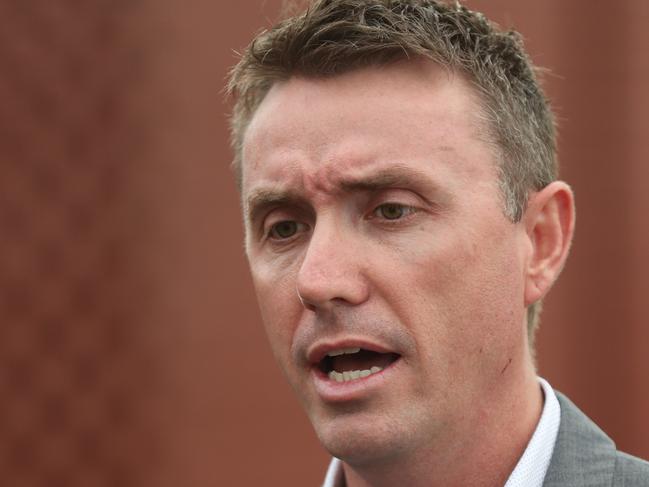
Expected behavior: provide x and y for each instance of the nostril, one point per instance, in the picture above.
(330, 274)
(333, 292)
(302, 300)
(306, 303)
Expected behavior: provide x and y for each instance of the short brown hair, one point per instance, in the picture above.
(335, 36)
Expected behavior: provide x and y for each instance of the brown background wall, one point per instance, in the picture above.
(130, 346)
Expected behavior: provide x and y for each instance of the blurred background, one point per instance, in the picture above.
(131, 352)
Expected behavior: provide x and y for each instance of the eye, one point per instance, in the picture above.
(392, 211)
(283, 230)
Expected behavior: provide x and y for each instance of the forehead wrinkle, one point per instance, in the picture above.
(340, 167)
(291, 184)
(325, 180)
(311, 176)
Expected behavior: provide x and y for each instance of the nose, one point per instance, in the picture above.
(331, 273)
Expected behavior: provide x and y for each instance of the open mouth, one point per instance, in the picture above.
(349, 364)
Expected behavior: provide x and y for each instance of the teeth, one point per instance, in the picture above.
(353, 374)
(337, 376)
(343, 351)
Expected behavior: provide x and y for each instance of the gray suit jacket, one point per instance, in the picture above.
(585, 457)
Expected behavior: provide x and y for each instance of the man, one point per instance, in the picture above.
(396, 160)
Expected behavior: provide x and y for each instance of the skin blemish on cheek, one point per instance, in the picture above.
(505, 367)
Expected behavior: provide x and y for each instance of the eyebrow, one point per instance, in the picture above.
(263, 199)
(393, 177)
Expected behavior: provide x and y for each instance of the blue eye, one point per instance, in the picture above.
(283, 230)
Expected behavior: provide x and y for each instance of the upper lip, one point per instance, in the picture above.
(319, 350)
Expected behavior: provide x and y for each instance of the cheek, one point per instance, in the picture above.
(464, 296)
(279, 307)
(489, 306)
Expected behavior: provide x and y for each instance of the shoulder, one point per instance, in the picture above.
(584, 456)
(630, 471)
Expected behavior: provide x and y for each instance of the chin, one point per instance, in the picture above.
(359, 441)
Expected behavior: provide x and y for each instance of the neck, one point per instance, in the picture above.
(481, 452)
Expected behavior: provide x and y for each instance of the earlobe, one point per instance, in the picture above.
(549, 222)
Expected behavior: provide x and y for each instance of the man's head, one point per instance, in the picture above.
(396, 162)
(333, 37)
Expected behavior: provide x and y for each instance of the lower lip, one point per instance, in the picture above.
(331, 390)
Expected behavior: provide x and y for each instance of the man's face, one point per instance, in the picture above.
(374, 222)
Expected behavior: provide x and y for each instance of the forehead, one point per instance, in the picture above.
(315, 133)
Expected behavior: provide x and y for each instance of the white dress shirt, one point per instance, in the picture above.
(533, 465)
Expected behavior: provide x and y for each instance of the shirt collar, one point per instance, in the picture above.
(533, 465)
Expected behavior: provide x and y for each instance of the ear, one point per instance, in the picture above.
(549, 222)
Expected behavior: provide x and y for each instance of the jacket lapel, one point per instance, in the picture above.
(583, 455)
